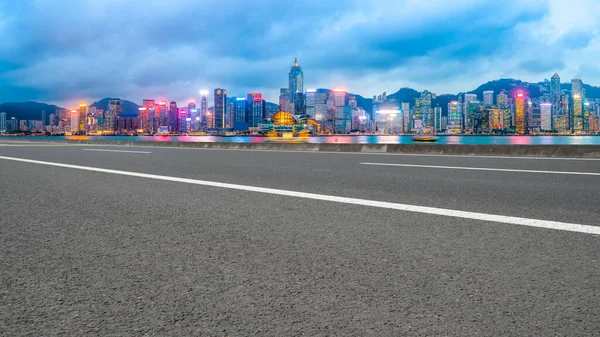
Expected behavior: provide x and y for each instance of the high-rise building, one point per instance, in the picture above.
(74, 120)
(285, 100)
(173, 119)
(455, 119)
(488, 98)
(520, 112)
(161, 112)
(220, 100)
(255, 109)
(2, 121)
(146, 117)
(555, 93)
(578, 97)
(406, 123)
(437, 112)
(473, 113)
(425, 110)
(462, 108)
(240, 111)
(296, 85)
(546, 110)
(204, 108)
(495, 118)
(502, 99)
(82, 116)
(342, 120)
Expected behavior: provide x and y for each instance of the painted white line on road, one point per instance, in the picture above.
(484, 169)
(570, 227)
(121, 151)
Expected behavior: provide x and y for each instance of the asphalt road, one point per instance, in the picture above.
(96, 253)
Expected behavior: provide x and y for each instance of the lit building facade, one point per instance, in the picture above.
(577, 92)
(455, 118)
(255, 108)
(220, 100)
(488, 98)
(520, 113)
(546, 110)
(3, 122)
(296, 87)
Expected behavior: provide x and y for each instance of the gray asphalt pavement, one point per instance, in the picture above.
(88, 253)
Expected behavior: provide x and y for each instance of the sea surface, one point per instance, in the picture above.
(352, 139)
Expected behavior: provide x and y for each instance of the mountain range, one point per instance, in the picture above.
(33, 110)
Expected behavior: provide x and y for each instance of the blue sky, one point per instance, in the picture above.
(66, 51)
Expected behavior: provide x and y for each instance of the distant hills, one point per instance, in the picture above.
(33, 110)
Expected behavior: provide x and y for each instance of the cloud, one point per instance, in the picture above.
(61, 51)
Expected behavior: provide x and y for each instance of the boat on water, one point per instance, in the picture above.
(424, 138)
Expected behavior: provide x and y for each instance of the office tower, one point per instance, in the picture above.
(534, 120)
(546, 110)
(406, 124)
(255, 109)
(495, 117)
(146, 117)
(437, 111)
(296, 86)
(203, 106)
(194, 114)
(172, 119)
(220, 100)
(52, 120)
(82, 116)
(455, 119)
(240, 111)
(555, 93)
(342, 123)
(2, 121)
(502, 99)
(473, 113)
(285, 100)
(161, 113)
(43, 117)
(462, 108)
(520, 113)
(74, 120)
(577, 114)
(488, 98)
(426, 112)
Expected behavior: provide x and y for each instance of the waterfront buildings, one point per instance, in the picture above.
(3, 122)
(296, 86)
(520, 113)
(220, 101)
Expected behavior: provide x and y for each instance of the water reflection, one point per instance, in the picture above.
(359, 139)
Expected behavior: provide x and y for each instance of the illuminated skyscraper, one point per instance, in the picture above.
(240, 111)
(555, 93)
(473, 116)
(74, 120)
(502, 99)
(426, 112)
(173, 116)
(437, 112)
(82, 116)
(342, 120)
(204, 107)
(161, 112)
(520, 113)
(546, 110)
(462, 109)
(146, 117)
(2, 121)
(488, 98)
(255, 109)
(454, 118)
(285, 100)
(406, 123)
(220, 100)
(296, 86)
(577, 92)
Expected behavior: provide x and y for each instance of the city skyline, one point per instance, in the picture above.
(366, 48)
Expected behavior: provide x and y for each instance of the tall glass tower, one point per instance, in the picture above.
(557, 119)
(297, 87)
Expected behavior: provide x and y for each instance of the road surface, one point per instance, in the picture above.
(114, 240)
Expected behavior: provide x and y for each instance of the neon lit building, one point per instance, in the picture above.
(577, 91)
(546, 110)
(220, 100)
(255, 109)
(82, 117)
(520, 113)
(455, 118)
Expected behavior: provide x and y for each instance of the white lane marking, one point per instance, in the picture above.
(122, 151)
(334, 152)
(570, 227)
(484, 169)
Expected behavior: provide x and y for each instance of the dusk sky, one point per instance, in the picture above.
(63, 52)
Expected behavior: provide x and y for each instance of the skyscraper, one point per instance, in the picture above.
(204, 107)
(342, 120)
(455, 119)
(82, 116)
(74, 120)
(488, 98)
(146, 117)
(546, 110)
(502, 99)
(296, 85)
(2, 121)
(577, 93)
(426, 112)
(173, 116)
(437, 112)
(520, 112)
(220, 100)
(406, 124)
(285, 100)
(255, 107)
(463, 108)
(556, 113)
(240, 111)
